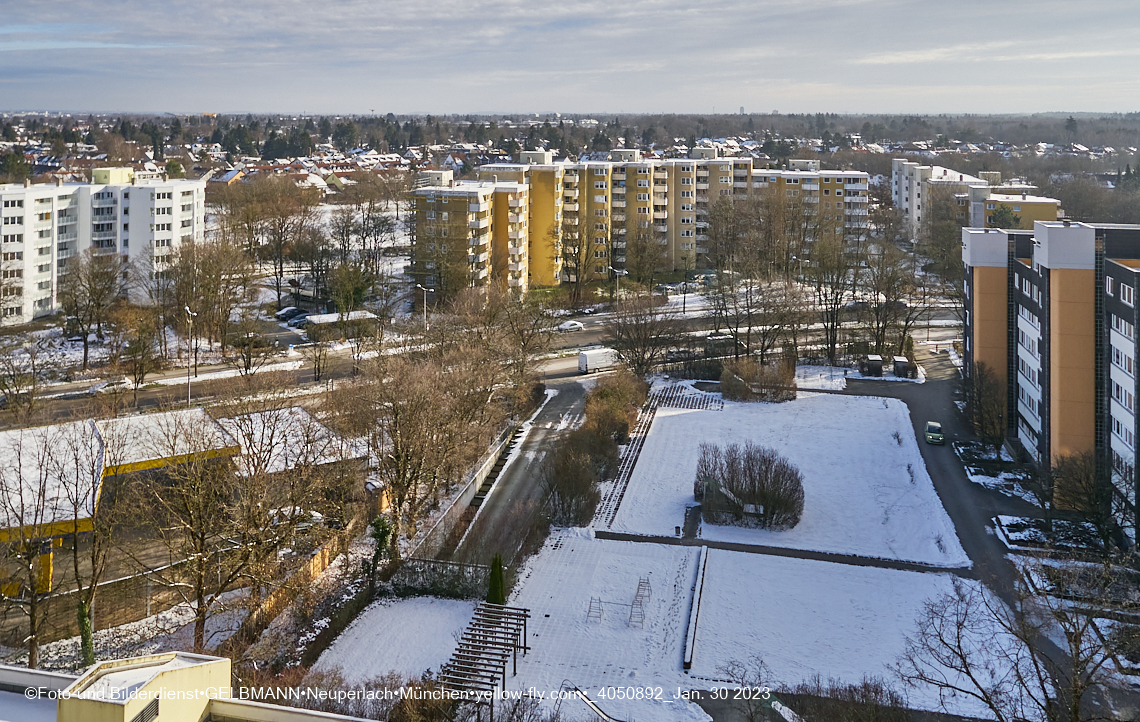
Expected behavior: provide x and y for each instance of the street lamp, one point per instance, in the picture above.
(617, 277)
(190, 319)
(425, 290)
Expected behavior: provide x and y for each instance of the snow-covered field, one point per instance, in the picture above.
(557, 586)
(407, 636)
(804, 618)
(865, 493)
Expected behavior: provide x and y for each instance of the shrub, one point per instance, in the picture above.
(570, 474)
(749, 380)
(749, 486)
(612, 405)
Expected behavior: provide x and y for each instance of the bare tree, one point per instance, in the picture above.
(832, 275)
(986, 401)
(20, 370)
(970, 643)
(641, 331)
(89, 284)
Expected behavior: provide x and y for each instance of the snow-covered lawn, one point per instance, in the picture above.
(804, 618)
(557, 585)
(407, 636)
(866, 493)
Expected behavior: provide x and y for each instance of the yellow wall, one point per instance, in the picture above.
(1072, 405)
(195, 682)
(111, 176)
(1030, 211)
(545, 259)
(988, 314)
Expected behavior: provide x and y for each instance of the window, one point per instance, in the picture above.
(14, 238)
(686, 206)
(13, 220)
(599, 226)
(827, 191)
(599, 171)
(14, 256)
(1128, 294)
(1124, 432)
(126, 227)
(43, 268)
(43, 251)
(686, 181)
(1028, 316)
(643, 210)
(643, 171)
(1108, 285)
(163, 196)
(162, 227)
(1123, 327)
(642, 182)
(726, 179)
(686, 194)
(599, 199)
(643, 197)
(1123, 396)
(1123, 360)
(686, 220)
(600, 185)
(990, 207)
(600, 212)
(838, 192)
(14, 204)
(164, 211)
(601, 253)
(12, 273)
(14, 311)
(1030, 402)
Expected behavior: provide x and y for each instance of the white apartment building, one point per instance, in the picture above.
(911, 181)
(142, 218)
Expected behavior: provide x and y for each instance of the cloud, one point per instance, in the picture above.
(344, 56)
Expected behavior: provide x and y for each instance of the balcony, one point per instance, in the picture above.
(739, 174)
(517, 202)
(572, 207)
(570, 192)
(702, 237)
(661, 229)
(478, 257)
(810, 186)
(661, 215)
(516, 250)
(620, 231)
(570, 178)
(658, 173)
(480, 273)
(756, 184)
(619, 217)
(811, 199)
(740, 184)
(572, 221)
(478, 207)
(619, 190)
(516, 218)
(618, 204)
(514, 282)
(64, 237)
(702, 199)
(858, 199)
(856, 186)
(516, 235)
(619, 244)
(480, 223)
(702, 186)
(103, 202)
(620, 260)
(516, 267)
(103, 236)
(618, 176)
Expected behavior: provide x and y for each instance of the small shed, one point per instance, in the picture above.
(902, 366)
(874, 365)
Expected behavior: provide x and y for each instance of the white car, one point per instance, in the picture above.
(567, 326)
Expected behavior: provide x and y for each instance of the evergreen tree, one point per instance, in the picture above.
(496, 590)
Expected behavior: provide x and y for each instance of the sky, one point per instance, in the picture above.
(573, 57)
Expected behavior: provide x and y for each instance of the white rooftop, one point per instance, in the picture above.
(148, 441)
(283, 439)
(49, 473)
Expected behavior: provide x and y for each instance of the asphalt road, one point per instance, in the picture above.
(508, 513)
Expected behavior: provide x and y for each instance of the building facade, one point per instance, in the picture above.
(142, 217)
(585, 219)
(1052, 313)
(915, 189)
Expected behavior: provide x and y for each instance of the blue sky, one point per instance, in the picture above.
(516, 56)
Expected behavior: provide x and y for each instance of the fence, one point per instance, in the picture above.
(441, 579)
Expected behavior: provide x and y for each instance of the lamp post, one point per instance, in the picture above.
(425, 290)
(190, 319)
(617, 277)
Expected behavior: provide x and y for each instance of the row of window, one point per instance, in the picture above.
(1124, 432)
(1030, 403)
(1124, 328)
(1029, 372)
(1123, 360)
(1126, 292)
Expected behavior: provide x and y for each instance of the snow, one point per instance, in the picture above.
(860, 495)
(825, 378)
(806, 617)
(557, 585)
(407, 636)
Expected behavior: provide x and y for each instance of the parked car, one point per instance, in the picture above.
(934, 433)
(287, 313)
(299, 320)
(682, 354)
(568, 326)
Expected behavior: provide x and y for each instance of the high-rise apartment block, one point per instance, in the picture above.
(538, 209)
(975, 199)
(141, 216)
(1052, 313)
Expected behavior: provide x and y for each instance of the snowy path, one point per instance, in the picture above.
(852, 559)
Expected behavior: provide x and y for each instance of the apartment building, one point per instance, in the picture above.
(470, 233)
(914, 188)
(143, 217)
(1053, 313)
(602, 207)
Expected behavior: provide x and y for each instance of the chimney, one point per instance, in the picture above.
(58, 182)
(1023, 196)
(1066, 222)
(27, 183)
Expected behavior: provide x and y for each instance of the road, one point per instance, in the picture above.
(510, 511)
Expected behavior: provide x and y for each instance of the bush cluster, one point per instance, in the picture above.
(749, 380)
(749, 485)
(572, 469)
